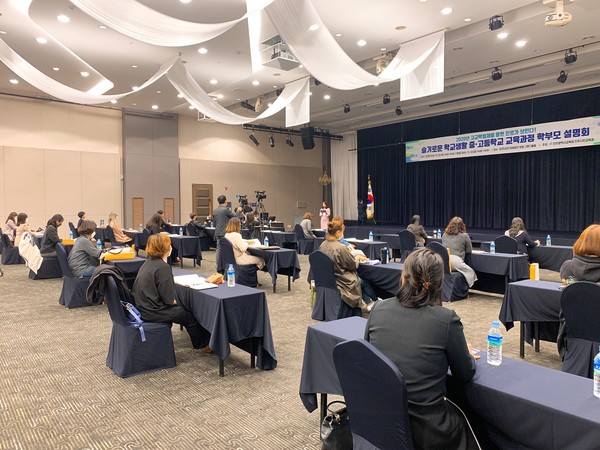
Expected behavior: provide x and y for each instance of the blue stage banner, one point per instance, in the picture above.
(543, 136)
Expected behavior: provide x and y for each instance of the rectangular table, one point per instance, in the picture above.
(548, 257)
(509, 267)
(285, 239)
(283, 261)
(187, 247)
(532, 301)
(371, 249)
(236, 315)
(393, 243)
(520, 405)
(385, 278)
(129, 267)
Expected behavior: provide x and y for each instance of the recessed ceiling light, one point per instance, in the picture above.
(103, 27)
(41, 40)
(191, 107)
(134, 66)
(446, 11)
(256, 82)
(326, 97)
(84, 74)
(502, 35)
(219, 96)
(338, 34)
(383, 49)
(113, 101)
(63, 18)
(310, 93)
(521, 43)
(361, 43)
(314, 27)
(269, 104)
(159, 92)
(202, 51)
(14, 81)
(274, 86)
(135, 88)
(134, 104)
(467, 19)
(185, 1)
(154, 106)
(56, 69)
(2, 32)
(213, 81)
(423, 1)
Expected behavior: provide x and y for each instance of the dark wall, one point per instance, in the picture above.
(555, 190)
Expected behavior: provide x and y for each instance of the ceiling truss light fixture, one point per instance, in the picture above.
(570, 56)
(288, 140)
(496, 74)
(346, 108)
(398, 111)
(247, 105)
(562, 76)
(271, 141)
(386, 99)
(253, 139)
(496, 22)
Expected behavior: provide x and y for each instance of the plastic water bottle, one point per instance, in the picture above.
(494, 345)
(370, 236)
(71, 235)
(99, 244)
(266, 241)
(548, 241)
(493, 247)
(180, 231)
(597, 375)
(230, 276)
(439, 233)
(141, 228)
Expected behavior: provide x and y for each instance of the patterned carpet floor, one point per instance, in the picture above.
(57, 393)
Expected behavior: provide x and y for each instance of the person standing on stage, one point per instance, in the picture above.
(325, 212)
(362, 212)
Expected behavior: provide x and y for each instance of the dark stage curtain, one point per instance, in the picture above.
(555, 190)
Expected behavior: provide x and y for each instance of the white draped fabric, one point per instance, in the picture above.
(196, 96)
(144, 24)
(297, 112)
(344, 176)
(321, 55)
(44, 83)
(426, 79)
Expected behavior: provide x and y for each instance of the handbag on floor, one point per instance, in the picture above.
(335, 429)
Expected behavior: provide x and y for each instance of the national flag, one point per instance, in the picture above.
(370, 202)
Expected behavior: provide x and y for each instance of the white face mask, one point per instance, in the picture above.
(170, 251)
(93, 234)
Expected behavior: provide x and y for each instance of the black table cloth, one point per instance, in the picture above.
(283, 261)
(187, 247)
(520, 405)
(371, 249)
(385, 278)
(532, 301)
(129, 267)
(496, 270)
(281, 238)
(548, 257)
(236, 315)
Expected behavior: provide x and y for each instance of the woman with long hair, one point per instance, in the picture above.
(233, 233)
(22, 227)
(518, 232)
(417, 229)
(423, 339)
(10, 227)
(50, 238)
(120, 237)
(456, 239)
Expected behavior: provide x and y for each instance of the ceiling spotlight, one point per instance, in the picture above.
(317, 82)
(398, 111)
(386, 99)
(278, 92)
(253, 139)
(346, 108)
(496, 74)
(570, 56)
(288, 141)
(271, 141)
(247, 106)
(562, 77)
(496, 22)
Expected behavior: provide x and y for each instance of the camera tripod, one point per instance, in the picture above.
(263, 217)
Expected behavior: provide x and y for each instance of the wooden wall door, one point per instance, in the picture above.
(202, 195)
(169, 209)
(137, 212)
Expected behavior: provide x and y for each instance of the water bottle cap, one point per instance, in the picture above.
(231, 266)
(495, 323)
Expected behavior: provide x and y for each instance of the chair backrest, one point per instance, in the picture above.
(61, 255)
(143, 239)
(190, 229)
(113, 302)
(407, 240)
(73, 230)
(109, 235)
(580, 303)
(6, 242)
(375, 394)
(322, 270)
(299, 232)
(443, 252)
(226, 255)
(506, 244)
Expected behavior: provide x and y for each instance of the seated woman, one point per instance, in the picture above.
(155, 224)
(22, 227)
(10, 227)
(120, 237)
(240, 246)
(423, 339)
(154, 292)
(85, 255)
(585, 265)
(417, 229)
(306, 225)
(351, 287)
(81, 215)
(458, 241)
(50, 238)
(518, 232)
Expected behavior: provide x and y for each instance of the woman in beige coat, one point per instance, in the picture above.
(240, 246)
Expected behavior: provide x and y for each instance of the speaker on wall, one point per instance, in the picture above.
(306, 134)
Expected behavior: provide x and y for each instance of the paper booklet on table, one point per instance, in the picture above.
(193, 281)
(357, 252)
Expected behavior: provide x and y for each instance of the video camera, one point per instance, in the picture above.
(243, 199)
(260, 195)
